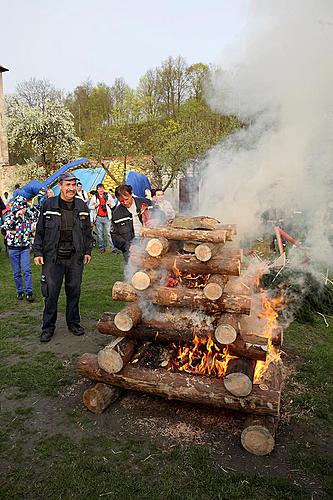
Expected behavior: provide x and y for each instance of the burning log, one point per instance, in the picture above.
(116, 355)
(182, 386)
(239, 376)
(128, 317)
(184, 297)
(172, 233)
(189, 264)
(100, 396)
(171, 333)
(157, 247)
(142, 280)
(215, 286)
(258, 436)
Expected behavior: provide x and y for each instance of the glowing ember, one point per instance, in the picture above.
(203, 357)
(190, 280)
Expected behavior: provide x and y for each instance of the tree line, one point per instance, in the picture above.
(164, 121)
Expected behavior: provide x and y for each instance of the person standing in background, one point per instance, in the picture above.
(163, 204)
(17, 226)
(80, 193)
(101, 204)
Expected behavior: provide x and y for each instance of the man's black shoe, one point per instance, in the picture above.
(20, 296)
(46, 336)
(76, 329)
(29, 297)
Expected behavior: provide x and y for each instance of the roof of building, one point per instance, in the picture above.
(3, 69)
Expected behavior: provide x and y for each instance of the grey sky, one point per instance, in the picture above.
(67, 41)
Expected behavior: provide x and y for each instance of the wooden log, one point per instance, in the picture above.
(237, 284)
(215, 286)
(170, 333)
(231, 230)
(128, 317)
(100, 396)
(184, 297)
(141, 280)
(157, 247)
(199, 222)
(258, 436)
(238, 379)
(190, 246)
(188, 264)
(226, 329)
(171, 233)
(116, 355)
(182, 386)
(205, 251)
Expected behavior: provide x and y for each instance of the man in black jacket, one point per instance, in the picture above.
(128, 218)
(62, 246)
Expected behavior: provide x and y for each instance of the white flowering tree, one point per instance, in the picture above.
(45, 136)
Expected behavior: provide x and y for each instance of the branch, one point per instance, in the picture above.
(110, 175)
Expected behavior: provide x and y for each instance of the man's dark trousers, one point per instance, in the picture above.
(54, 274)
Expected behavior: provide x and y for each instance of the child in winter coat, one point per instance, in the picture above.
(18, 233)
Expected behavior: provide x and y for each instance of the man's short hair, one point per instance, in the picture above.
(79, 184)
(100, 185)
(122, 190)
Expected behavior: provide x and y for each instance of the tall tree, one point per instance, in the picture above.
(35, 93)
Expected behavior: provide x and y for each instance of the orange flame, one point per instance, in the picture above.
(190, 280)
(203, 357)
(269, 311)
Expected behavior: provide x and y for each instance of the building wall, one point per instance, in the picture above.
(4, 157)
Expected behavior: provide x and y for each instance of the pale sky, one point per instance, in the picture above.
(68, 41)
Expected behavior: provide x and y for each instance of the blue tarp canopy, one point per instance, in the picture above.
(89, 177)
(139, 182)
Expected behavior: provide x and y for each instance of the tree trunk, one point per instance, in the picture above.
(157, 247)
(182, 386)
(239, 376)
(258, 436)
(170, 233)
(215, 286)
(188, 264)
(184, 297)
(128, 317)
(115, 356)
(100, 396)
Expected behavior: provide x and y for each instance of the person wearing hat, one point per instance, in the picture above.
(62, 246)
(17, 228)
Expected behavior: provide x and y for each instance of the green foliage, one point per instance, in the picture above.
(45, 136)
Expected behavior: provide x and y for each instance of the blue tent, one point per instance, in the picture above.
(139, 182)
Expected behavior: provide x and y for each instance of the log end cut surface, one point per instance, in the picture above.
(110, 360)
(225, 334)
(213, 291)
(257, 440)
(238, 384)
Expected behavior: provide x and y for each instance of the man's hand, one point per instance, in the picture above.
(86, 259)
(39, 261)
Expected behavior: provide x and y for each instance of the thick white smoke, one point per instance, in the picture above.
(278, 79)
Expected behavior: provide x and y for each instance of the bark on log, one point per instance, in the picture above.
(170, 233)
(231, 230)
(100, 396)
(215, 286)
(258, 436)
(181, 386)
(188, 264)
(200, 222)
(244, 350)
(237, 284)
(184, 297)
(115, 356)
(157, 247)
(128, 317)
(238, 379)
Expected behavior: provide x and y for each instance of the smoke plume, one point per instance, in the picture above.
(278, 79)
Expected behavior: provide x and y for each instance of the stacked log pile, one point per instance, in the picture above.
(190, 246)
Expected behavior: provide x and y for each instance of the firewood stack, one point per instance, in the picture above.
(170, 314)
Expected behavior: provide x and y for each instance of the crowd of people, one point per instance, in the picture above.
(59, 231)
